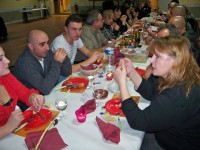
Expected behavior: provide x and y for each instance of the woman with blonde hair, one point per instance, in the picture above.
(172, 120)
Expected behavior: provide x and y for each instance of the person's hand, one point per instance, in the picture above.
(127, 64)
(15, 119)
(120, 74)
(96, 56)
(60, 55)
(37, 101)
(115, 26)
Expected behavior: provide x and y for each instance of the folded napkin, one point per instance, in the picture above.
(109, 131)
(51, 140)
(89, 106)
(89, 67)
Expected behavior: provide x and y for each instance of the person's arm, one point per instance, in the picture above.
(96, 56)
(32, 74)
(14, 120)
(164, 112)
(66, 69)
(85, 51)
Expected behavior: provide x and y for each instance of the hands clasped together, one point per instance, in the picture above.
(124, 69)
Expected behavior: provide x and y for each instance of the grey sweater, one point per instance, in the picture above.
(30, 72)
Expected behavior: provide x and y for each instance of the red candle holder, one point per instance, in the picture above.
(81, 115)
(109, 76)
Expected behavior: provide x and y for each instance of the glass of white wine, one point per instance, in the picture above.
(61, 105)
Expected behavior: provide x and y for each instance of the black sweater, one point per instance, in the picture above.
(173, 117)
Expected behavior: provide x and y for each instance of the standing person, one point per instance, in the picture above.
(70, 41)
(38, 67)
(11, 90)
(92, 36)
(172, 120)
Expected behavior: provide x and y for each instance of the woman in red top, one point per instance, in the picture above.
(11, 90)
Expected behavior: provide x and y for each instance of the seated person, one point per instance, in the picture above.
(92, 36)
(70, 41)
(180, 24)
(164, 30)
(11, 90)
(108, 26)
(172, 120)
(120, 20)
(38, 67)
(132, 16)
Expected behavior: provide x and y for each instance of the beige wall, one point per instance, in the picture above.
(6, 5)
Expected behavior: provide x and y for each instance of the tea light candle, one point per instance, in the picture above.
(80, 115)
(109, 76)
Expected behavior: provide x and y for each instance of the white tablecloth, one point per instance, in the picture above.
(85, 136)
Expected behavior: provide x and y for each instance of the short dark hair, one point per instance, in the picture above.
(73, 18)
(172, 29)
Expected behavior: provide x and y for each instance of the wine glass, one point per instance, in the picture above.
(91, 79)
(61, 105)
(98, 93)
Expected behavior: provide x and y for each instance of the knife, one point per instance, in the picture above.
(24, 124)
(41, 115)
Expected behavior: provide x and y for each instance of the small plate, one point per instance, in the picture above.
(105, 95)
(37, 121)
(81, 82)
(113, 107)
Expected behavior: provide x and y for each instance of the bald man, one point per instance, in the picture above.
(38, 67)
(179, 22)
(167, 29)
(191, 22)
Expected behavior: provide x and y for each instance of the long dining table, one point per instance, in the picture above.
(87, 136)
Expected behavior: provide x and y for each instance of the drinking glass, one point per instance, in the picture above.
(91, 79)
(98, 93)
(61, 105)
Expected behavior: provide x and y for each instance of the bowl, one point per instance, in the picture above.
(139, 56)
(90, 72)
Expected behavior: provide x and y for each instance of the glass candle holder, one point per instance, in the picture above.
(81, 115)
(109, 76)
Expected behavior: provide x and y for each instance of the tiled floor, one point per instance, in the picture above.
(17, 34)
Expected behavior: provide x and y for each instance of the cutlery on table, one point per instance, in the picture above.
(53, 122)
(41, 115)
(24, 124)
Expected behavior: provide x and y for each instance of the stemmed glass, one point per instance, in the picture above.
(91, 79)
(98, 93)
(61, 105)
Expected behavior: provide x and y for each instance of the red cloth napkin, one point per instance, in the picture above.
(89, 106)
(109, 131)
(51, 140)
(89, 67)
